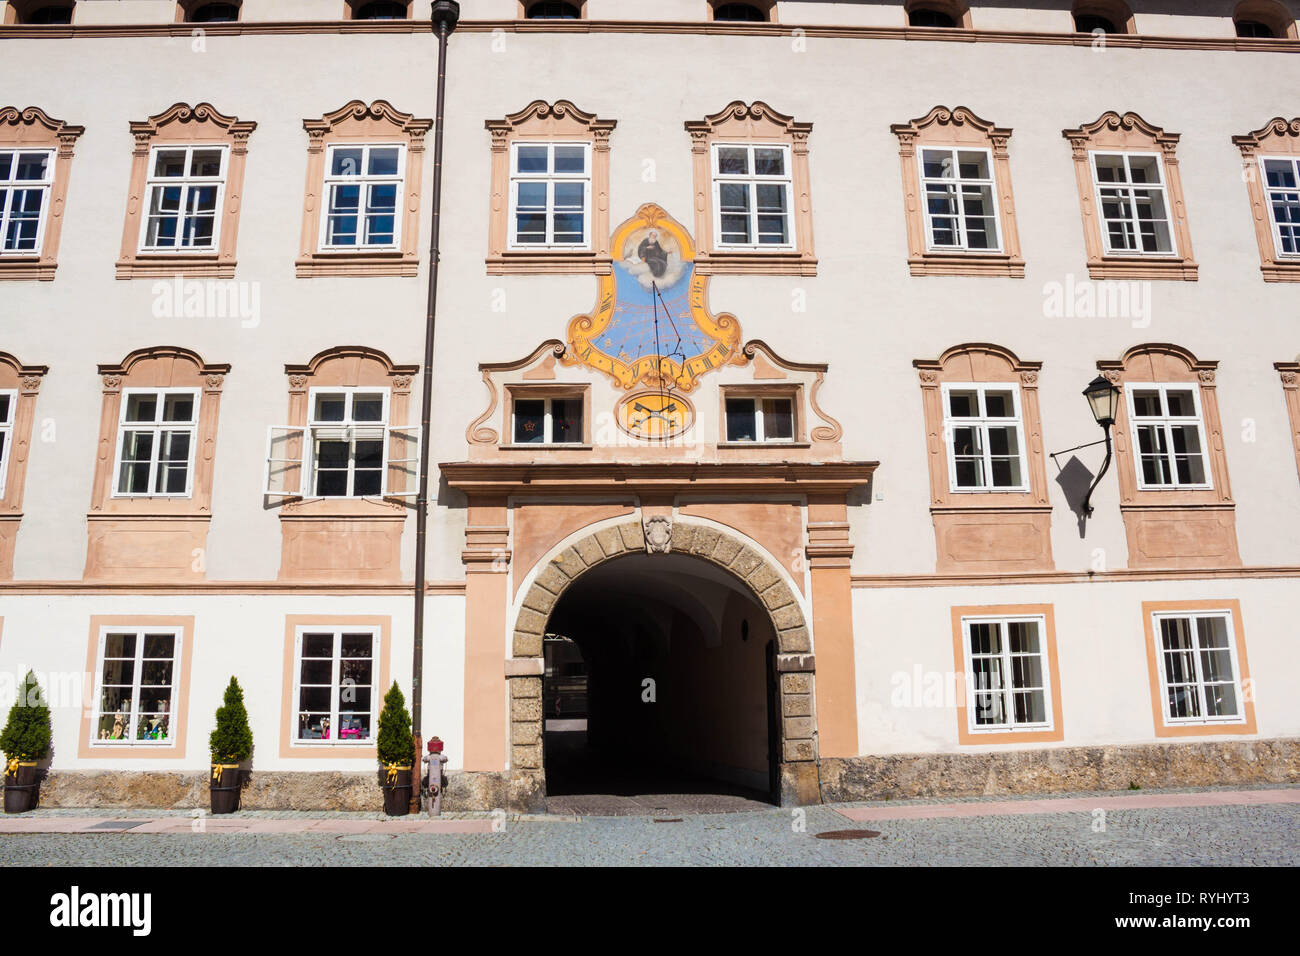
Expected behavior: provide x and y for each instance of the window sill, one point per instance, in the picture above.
(548, 262)
(967, 264)
(1278, 270)
(1119, 267)
(766, 445)
(359, 264)
(549, 446)
(342, 508)
(21, 268)
(747, 262)
(151, 266)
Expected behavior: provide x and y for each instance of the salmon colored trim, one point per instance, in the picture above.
(125, 531)
(1277, 137)
(1071, 577)
(1290, 375)
(358, 124)
(1269, 12)
(970, 527)
(32, 128)
(1130, 133)
(958, 128)
(180, 697)
(1244, 684)
(1156, 521)
(25, 380)
(757, 122)
(964, 734)
(183, 125)
(542, 121)
(287, 709)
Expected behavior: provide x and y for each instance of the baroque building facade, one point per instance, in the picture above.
(761, 332)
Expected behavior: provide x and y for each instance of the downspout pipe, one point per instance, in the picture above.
(445, 15)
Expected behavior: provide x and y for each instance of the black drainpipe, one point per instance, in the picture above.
(445, 15)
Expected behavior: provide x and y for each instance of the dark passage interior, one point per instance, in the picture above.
(658, 683)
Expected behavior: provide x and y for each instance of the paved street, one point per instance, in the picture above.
(1255, 827)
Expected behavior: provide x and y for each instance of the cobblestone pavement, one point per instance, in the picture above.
(1216, 835)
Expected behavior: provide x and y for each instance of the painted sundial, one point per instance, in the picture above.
(652, 325)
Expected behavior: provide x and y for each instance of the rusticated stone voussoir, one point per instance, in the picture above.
(745, 562)
(706, 541)
(682, 536)
(633, 535)
(611, 542)
(553, 579)
(540, 600)
(590, 551)
(526, 645)
(530, 622)
(570, 562)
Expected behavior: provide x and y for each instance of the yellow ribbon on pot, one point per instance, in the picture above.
(216, 772)
(13, 767)
(392, 772)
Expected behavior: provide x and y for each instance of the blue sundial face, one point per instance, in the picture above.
(631, 330)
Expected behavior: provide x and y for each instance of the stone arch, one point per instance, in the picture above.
(799, 782)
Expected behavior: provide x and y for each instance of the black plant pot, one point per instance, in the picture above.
(22, 789)
(397, 794)
(224, 789)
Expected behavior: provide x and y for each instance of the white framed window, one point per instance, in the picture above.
(753, 196)
(1169, 434)
(1130, 189)
(1007, 672)
(363, 188)
(1281, 178)
(136, 695)
(1200, 679)
(348, 436)
(961, 213)
(8, 409)
(759, 419)
(550, 195)
(184, 191)
(984, 432)
(335, 669)
(26, 178)
(155, 442)
(547, 421)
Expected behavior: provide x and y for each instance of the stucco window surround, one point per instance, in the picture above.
(24, 11)
(32, 129)
(758, 394)
(381, 626)
(957, 129)
(547, 393)
(1117, 12)
(1230, 611)
(752, 125)
(526, 7)
(182, 126)
(359, 124)
(1271, 14)
(1173, 527)
(765, 8)
(1042, 618)
(561, 123)
(986, 531)
(183, 655)
(157, 537)
(955, 10)
(352, 8)
(19, 383)
(1275, 147)
(187, 9)
(1110, 134)
(1289, 372)
(341, 538)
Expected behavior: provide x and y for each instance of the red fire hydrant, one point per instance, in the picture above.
(432, 790)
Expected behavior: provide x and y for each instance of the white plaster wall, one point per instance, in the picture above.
(240, 635)
(1100, 638)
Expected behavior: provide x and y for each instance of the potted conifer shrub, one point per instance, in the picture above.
(231, 744)
(396, 749)
(25, 741)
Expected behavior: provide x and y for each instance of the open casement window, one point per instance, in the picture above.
(346, 450)
(550, 191)
(988, 477)
(753, 204)
(759, 418)
(1131, 200)
(136, 690)
(35, 162)
(362, 203)
(186, 189)
(8, 409)
(1169, 436)
(155, 442)
(1007, 687)
(1170, 461)
(550, 196)
(1271, 171)
(985, 436)
(957, 195)
(334, 689)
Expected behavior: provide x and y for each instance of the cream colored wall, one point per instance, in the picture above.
(904, 636)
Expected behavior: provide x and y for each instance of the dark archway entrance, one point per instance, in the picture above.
(660, 691)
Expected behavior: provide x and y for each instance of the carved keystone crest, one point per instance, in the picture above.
(658, 534)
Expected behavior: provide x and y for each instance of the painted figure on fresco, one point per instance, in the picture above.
(653, 255)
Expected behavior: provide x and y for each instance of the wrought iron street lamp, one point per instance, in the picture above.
(1103, 399)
